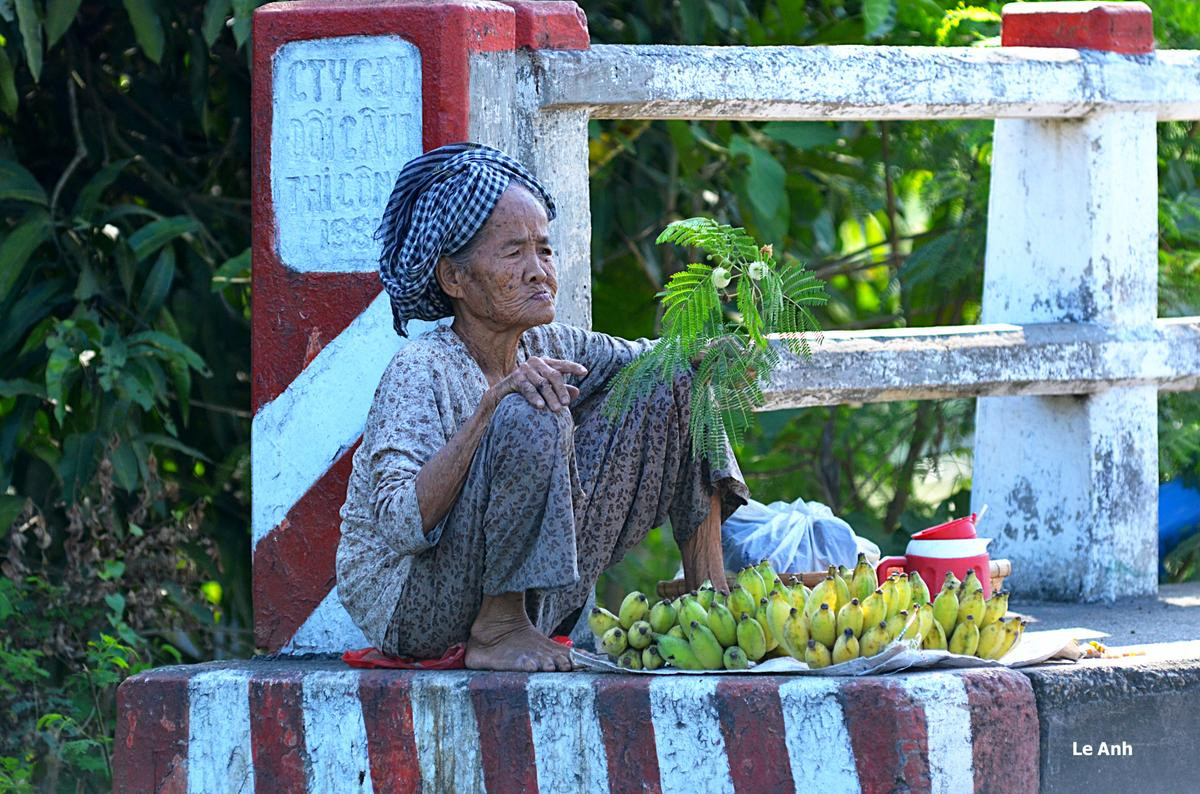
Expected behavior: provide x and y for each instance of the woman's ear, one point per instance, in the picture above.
(449, 278)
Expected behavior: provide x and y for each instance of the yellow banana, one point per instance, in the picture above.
(972, 605)
(912, 626)
(935, 640)
(779, 609)
(951, 580)
(740, 601)
(890, 596)
(639, 635)
(631, 659)
(823, 626)
(874, 608)
(824, 593)
(920, 591)
(662, 617)
(795, 634)
(862, 583)
(614, 642)
(722, 624)
(991, 637)
(798, 595)
(850, 617)
(896, 623)
(760, 615)
(846, 647)
(925, 619)
(817, 655)
(652, 659)
(966, 637)
(903, 591)
(707, 649)
(755, 587)
(633, 608)
(600, 620)
(971, 583)
(840, 587)
(945, 608)
(995, 608)
(751, 638)
(874, 639)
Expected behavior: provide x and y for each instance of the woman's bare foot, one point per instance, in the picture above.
(502, 638)
(701, 553)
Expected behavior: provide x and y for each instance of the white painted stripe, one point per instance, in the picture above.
(948, 726)
(335, 734)
(687, 735)
(818, 740)
(219, 756)
(296, 437)
(446, 733)
(328, 629)
(567, 741)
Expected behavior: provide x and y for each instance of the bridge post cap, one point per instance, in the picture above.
(550, 24)
(1125, 28)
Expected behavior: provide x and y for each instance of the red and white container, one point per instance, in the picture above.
(932, 552)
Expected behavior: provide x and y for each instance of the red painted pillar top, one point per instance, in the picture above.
(1126, 28)
(550, 24)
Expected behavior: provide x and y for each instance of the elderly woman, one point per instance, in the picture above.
(490, 491)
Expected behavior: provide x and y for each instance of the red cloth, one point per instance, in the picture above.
(453, 659)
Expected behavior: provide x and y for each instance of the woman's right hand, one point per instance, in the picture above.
(541, 382)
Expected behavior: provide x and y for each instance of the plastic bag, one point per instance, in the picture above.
(796, 536)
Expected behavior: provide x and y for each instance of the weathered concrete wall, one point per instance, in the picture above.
(843, 82)
(318, 727)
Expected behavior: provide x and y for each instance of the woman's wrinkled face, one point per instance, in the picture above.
(509, 280)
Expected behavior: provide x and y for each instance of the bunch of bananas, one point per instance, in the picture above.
(844, 617)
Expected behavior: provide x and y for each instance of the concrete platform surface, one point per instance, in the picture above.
(1172, 616)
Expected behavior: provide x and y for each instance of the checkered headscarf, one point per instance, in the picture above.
(440, 201)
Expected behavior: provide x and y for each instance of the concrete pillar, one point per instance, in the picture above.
(1072, 482)
(344, 95)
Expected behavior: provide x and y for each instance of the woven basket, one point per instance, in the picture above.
(997, 569)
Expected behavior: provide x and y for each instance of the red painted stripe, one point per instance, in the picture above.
(505, 737)
(550, 24)
(752, 723)
(888, 734)
(295, 564)
(1127, 28)
(150, 750)
(277, 734)
(387, 712)
(296, 315)
(1004, 731)
(623, 708)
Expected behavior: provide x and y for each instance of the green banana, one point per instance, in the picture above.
(971, 583)
(795, 634)
(721, 598)
(817, 655)
(760, 615)
(600, 620)
(690, 611)
(740, 601)
(799, 595)
(614, 642)
(850, 617)
(912, 626)
(722, 624)
(640, 635)
(896, 623)
(652, 659)
(991, 637)
(846, 647)
(633, 608)
(678, 652)
(662, 617)
(890, 596)
(734, 658)
(951, 580)
(840, 587)
(823, 626)
(751, 638)
(862, 582)
(996, 607)
(903, 591)
(925, 621)
(766, 573)
(779, 609)
(874, 639)
(935, 640)
(631, 659)
(945, 607)
(920, 591)
(706, 647)
(966, 637)
(677, 632)
(706, 594)
(750, 579)
(874, 608)
(972, 605)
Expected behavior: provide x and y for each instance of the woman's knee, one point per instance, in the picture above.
(516, 422)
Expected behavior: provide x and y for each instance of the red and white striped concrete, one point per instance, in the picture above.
(322, 727)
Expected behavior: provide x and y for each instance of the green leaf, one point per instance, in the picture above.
(113, 569)
(10, 508)
(879, 17)
(159, 440)
(59, 16)
(8, 86)
(31, 34)
(125, 466)
(59, 367)
(147, 28)
(18, 184)
(158, 342)
(242, 14)
(158, 284)
(765, 180)
(81, 454)
(215, 14)
(154, 235)
(18, 246)
(17, 386)
(802, 134)
(235, 267)
(89, 196)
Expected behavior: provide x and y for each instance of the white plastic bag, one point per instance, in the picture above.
(796, 536)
